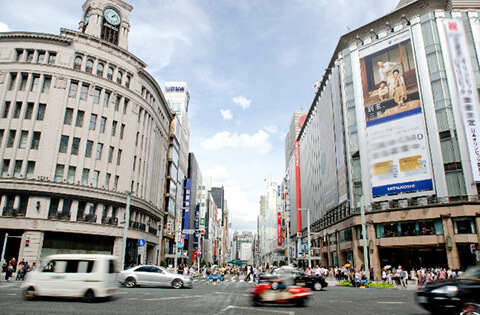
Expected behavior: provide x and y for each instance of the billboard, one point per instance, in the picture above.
(397, 146)
(466, 90)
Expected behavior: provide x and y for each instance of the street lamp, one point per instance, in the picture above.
(125, 228)
(364, 238)
(308, 235)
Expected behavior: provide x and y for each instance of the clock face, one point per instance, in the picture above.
(112, 16)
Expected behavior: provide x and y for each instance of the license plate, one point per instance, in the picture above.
(422, 299)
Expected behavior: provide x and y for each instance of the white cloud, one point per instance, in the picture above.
(218, 173)
(226, 114)
(289, 58)
(242, 101)
(271, 129)
(257, 142)
(4, 27)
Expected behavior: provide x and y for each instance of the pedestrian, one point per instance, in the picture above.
(403, 277)
(180, 269)
(26, 269)
(9, 272)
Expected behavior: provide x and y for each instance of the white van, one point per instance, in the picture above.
(73, 275)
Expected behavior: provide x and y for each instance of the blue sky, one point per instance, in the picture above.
(248, 64)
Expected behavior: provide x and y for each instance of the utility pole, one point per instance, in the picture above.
(125, 228)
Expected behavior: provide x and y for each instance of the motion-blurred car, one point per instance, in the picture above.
(148, 275)
(446, 296)
(315, 283)
(73, 275)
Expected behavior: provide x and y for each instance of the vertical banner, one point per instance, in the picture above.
(186, 204)
(466, 90)
(398, 152)
(297, 182)
(279, 228)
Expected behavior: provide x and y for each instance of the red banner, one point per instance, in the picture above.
(279, 229)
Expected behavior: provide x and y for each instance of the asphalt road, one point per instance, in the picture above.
(228, 297)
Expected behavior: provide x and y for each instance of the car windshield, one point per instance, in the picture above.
(471, 273)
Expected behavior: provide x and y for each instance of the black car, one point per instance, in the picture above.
(447, 296)
(315, 283)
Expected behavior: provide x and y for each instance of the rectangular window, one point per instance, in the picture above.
(23, 139)
(119, 156)
(96, 96)
(41, 111)
(2, 132)
(35, 140)
(85, 174)
(6, 110)
(122, 130)
(464, 225)
(103, 121)
(13, 80)
(18, 168)
(84, 92)
(125, 105)
(114, 128)
(67, 120)
(29, 111)
(118, 99)
(98, 155)
(88, 149)
(110, 154)
(41, 56)
(93, 121)
(30, 55)
(11, 138)
(18, 109)
(47, 81)
(52, 57)
(59, 172)
(72, 92)
(30, 169)
(79, 121)
(107, 181)
(71, 174)
(5, 167)
(35, 83)
(75, 146)
(23, 81)
(96, 174)
(63, 144)
(115, 182)
(106, 99)
(19, 55)
(134, 162)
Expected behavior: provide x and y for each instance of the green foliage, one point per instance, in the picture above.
(345, 283)
(163, 263)
(370, 284)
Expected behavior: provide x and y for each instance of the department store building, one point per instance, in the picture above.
(393, 129)
(81, 124)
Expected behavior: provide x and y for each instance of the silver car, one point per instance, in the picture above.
(148, 275)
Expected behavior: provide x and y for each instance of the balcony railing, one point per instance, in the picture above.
(138, 226)
(152, 230)
(11, 212)
(110, 220)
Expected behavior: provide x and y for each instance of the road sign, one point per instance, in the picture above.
(188, 231)
(299, 234)
(141, 242)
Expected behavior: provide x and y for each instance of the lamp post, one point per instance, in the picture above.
(125, 228)
(308, 235)
(364, 238)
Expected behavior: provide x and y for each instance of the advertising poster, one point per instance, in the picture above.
(466, 90)
(186, 213)
(397, 146)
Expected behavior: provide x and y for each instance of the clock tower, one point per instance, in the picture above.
(108, 20)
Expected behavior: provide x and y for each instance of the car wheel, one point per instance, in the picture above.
(130, 282)
(300, 302)
(89, 296)
(256, 301)
(29, 294)
(177, 283)
(317, 286)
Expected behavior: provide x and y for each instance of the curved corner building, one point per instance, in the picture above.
(81, 124)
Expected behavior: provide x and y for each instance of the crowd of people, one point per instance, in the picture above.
(21, 269)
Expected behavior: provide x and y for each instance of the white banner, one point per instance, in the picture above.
(466, 90)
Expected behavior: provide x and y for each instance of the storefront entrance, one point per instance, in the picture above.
(414, 257)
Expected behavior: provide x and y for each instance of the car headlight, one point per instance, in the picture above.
(448, 289)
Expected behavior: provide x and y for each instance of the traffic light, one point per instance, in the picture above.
(27, 242)
(473, 248)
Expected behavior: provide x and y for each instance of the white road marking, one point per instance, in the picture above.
(391, 302)
(173, 298)
(264, 311)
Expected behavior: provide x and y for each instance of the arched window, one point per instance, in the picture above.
(119, 77)
(89, 66)
(110, 73)
(100, 68)
(78, 63)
